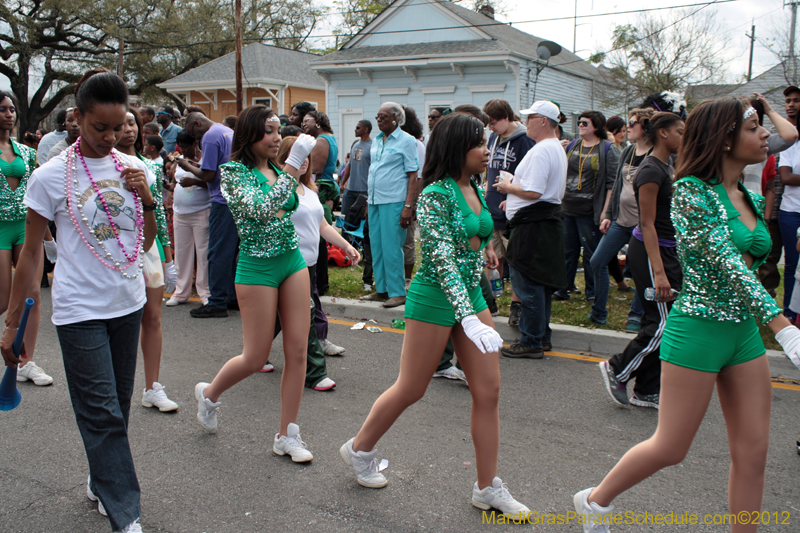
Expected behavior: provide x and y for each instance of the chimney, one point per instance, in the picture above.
(486, 10)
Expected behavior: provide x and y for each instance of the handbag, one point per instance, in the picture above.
(153, 274)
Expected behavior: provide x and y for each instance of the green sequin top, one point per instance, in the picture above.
(717, 282)
(157, 189)
(254, 207)
(447, 257)
(11, 206)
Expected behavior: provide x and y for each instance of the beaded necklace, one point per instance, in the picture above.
(73, 206)
(581, 161)
(629, 178)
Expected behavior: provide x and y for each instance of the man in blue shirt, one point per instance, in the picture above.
(169, 131)
(223, 238)
(391, 202)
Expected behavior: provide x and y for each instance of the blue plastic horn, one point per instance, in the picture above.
(9, 394)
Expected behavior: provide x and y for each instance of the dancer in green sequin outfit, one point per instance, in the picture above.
(271, 276)
(17, 162)
(445, 302)
(711, 338)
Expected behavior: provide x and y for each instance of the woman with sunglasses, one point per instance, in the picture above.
(152, 337)
(445, 302)
(621, 217)
(17, 162)
(590, 178)
(712, 339)
(271, 275)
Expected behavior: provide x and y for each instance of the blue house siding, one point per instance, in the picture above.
(406, 23)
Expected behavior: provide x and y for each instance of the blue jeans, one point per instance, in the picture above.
(100, 363)
(582, 232)
(610, 244)
(223, 248)
(386, 241)
(789, 222)
(534, 318)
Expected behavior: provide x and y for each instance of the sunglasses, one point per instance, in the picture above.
(632, 123)
(583, 123)
(381, 116)
(435, 116)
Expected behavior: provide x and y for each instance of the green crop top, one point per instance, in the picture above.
(480, 225)
(757, 241)
(16, 168)
(291, 204)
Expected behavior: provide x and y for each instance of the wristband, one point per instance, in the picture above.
(148, 208)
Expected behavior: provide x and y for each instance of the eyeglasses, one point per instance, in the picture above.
(583, 123)
(632, 123)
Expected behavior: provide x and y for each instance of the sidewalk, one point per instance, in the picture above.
(568, 338)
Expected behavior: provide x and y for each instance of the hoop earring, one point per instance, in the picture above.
(317, 125)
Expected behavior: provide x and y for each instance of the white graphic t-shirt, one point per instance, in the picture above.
(83, 288)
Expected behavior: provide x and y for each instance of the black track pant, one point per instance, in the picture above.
(640, 358)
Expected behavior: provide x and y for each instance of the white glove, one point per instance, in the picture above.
(51, 250)
(170, 276)
(789, 339)
(484, 337)
(300, 150)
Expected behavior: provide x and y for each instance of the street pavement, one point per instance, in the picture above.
(559, 433)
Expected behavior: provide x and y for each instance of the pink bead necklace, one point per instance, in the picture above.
(73, 206)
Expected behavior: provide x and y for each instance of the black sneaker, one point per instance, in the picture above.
(561, 295)
(514, 313)
(645, 400)
(547, 346)
(617, 390)
(207, 311)
(518, 351)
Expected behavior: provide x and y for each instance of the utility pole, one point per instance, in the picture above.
(237, 28)
(792, 58)
(575, 29)
(752, 37)
(121, 56)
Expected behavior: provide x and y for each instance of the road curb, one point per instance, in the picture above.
(568, 338)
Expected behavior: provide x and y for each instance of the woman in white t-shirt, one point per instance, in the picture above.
(191, 205)
(101, 202)
(310, 224)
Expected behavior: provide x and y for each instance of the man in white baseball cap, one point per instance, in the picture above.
(536, 242)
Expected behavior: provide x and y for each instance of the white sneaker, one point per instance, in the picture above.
(206, 409)
(31, 371)
(451, 372)
(267, 368)
(592, 512)
(365, 465)
(133, 527)
(92, 497)
(325, 385)
(328, 348)
(367, 287)
(292, 444)
(156, 397)
(498, 497)
(172, 302)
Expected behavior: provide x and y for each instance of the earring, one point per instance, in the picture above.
(727, 148)
(664, 136)
(394, 123)
(317, 125)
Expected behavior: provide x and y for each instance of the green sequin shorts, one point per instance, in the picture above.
(709, 345)
(269, 271)
(427, 302)
(12, 233)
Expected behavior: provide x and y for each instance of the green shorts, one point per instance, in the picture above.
(269, 271)
(709, 345)
(427, 302)
(12, 233)
(160, 250)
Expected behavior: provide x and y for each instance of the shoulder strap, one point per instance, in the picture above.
(571, 145)
(608, 146)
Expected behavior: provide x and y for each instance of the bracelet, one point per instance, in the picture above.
(12, 329)
(148, 208)
(408, 206)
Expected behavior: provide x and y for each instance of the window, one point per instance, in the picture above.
(266, 101)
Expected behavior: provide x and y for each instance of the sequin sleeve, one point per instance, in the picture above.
(157, 188)
(241, 191)
(717, 282)
(436, 242)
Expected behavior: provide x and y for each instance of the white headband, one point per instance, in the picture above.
(273, 119)
(749, 112)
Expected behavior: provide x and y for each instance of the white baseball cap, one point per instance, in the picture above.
(544, 108)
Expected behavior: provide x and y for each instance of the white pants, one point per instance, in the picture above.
(191, 235)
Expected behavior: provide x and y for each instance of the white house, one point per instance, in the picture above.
(428, 53)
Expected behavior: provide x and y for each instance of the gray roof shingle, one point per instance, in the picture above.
(504, 39)
(259, 61)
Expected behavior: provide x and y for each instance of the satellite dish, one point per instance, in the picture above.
(548, 49)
